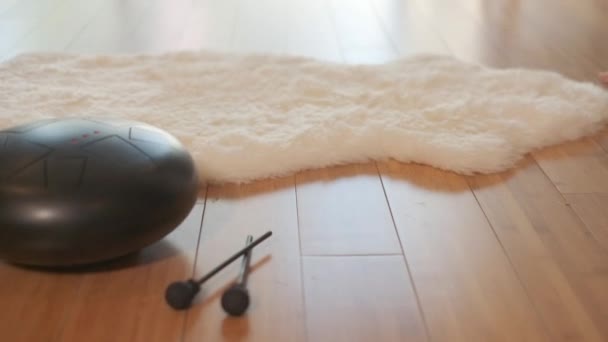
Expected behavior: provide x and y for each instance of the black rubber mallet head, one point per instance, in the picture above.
(179, 295)
(235, 300)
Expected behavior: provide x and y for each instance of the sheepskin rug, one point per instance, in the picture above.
(246, 117)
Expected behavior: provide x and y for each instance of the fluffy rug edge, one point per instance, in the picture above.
(426, 109)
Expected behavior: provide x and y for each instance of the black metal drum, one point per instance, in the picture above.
(77, 191)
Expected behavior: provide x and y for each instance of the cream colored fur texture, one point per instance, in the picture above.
(245, 117)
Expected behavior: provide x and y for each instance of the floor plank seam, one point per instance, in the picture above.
(235, 16)
(388, 37)
(404, 258)
(437, 32)
(10, 49)
(569, 207)
(604, 148)
(584, 224)
(182, 34)
(200, 231)
(195, 263)
(69, 312)
(301, 262)
(84, 27)
(566, 57)
(9, 8)
(546, 330)
(332, 18)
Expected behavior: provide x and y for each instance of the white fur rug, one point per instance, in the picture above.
(245, 117)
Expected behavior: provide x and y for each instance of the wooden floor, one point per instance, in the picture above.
(373, 252)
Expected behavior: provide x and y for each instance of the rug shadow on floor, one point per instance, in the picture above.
(418, 175)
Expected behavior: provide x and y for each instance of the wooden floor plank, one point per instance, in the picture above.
(60, 27)
(408, 28)
(602, 137)
(460, 33)
(112, 29)
(361, 298)
(276, 312)
(592, 209)
(7, 5)
(161, 28)
(260, 27)
(343, 211)
(126, 300)
(467, 287)
(588, 24)
(210, 25)
(361, 37)
(524, 34)
(35, 303)
(577, 44)
(311, 31)
(577, 167)
(562, 266)
(23, 18)
(30, 10)
(503, 34)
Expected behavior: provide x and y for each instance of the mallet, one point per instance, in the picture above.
(235, 300)
(179, 295)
